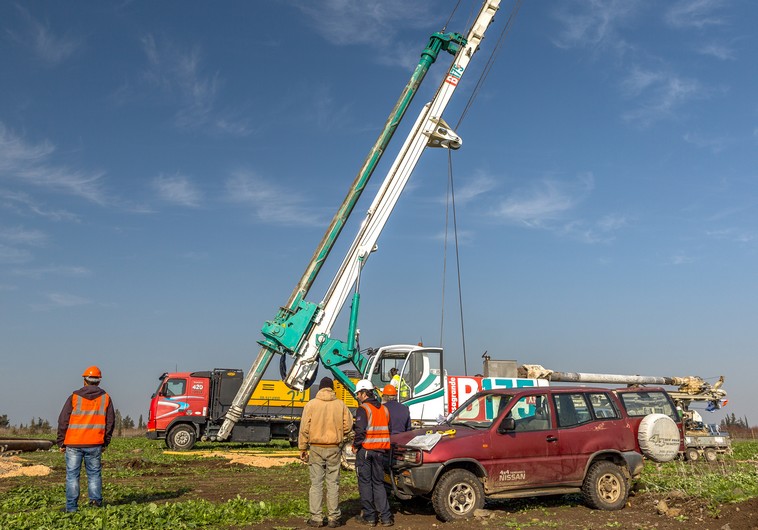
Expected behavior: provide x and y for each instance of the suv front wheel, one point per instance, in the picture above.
(458, 494)
(605, 486)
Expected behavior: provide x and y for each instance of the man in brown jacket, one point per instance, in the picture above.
(325, 422)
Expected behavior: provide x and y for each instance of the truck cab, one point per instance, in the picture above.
(190, 406)
(431, 393)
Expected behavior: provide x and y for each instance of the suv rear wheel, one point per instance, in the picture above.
(458, 494)
(605, 486)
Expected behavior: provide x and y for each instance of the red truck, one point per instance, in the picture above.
(190, 406)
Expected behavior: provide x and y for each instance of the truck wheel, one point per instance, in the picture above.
(605, 487)
(693, 455)
(710, 454)
(181, 438)
(457, 495)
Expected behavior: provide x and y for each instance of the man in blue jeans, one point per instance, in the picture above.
(85, 427)
(371, 445)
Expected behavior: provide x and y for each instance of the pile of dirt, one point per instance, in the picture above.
(14, 467)
(255, 460)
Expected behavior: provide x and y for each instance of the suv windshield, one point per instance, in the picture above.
(480, 411)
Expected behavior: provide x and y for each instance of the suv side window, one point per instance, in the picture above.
(603, 407)
(531, 413)
(572, 409)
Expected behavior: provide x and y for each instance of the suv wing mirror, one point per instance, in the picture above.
(507, 425)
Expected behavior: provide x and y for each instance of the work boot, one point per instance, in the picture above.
(96, 504)
(315, 523)
(366, 522)
(333, 523)
(388, 522)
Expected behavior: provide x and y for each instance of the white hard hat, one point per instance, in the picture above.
(364, 384)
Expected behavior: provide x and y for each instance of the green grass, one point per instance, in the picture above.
(151, 504)
(24, 509)
(730, 479)
(167, 497)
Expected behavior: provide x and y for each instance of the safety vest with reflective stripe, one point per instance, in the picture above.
(378, 428)
(402, 387)
(86, 425)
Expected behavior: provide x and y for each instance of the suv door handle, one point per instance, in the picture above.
(552, 438)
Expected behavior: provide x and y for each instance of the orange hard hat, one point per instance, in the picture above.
(92, 371)
(389, 390)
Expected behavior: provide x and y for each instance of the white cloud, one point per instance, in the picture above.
(270, 204)
(180, 73)
(177, 189)
(23, 203)
(658, 94)
(716, 144)
(552, 205)
(474, 188)
(60, 300)
(344, 22)
(21, 236)
(695, 14)
(53, 270)
(545, 202)
(468, 189)
(736, 235)
(601, 231)
(610, 223)
(14, 255)
(31, 164)
(464, 237)
(681, 258)
(718, 50)
(594, 24)
(42, 41)
(12, 238)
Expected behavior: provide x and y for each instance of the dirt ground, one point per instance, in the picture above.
(218, 480)
(565, 512)
(643, 511)
(14, 467)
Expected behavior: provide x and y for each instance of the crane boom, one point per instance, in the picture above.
(690, 388)
(302, 328)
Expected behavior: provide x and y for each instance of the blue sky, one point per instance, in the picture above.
(167, 169)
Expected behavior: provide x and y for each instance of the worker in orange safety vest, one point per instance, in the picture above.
(371, 445)
(85, 427)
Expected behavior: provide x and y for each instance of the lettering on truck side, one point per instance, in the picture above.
(512, 476)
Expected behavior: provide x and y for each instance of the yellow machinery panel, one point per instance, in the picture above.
(344, 395)
(271, 393)
(277, 394)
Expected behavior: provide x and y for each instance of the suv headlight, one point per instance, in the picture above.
(412, 456)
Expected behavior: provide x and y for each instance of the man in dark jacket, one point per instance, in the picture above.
(85, 427)
(371, 445)
(400, 414)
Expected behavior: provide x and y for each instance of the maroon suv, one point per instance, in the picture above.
(519, 443)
